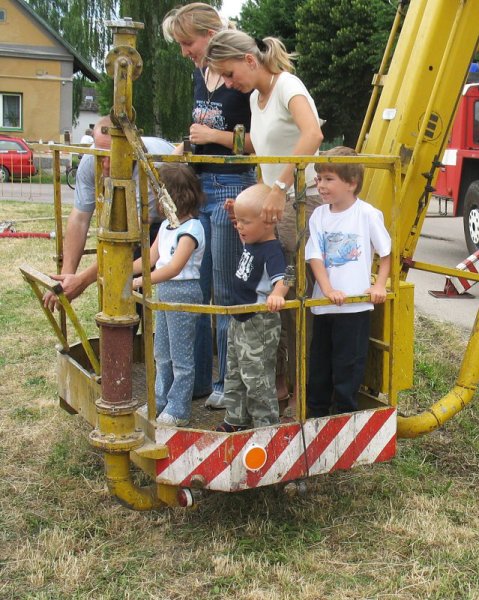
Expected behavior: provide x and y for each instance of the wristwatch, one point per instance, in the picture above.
(281, 185)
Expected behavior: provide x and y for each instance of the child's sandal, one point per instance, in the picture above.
(227, 428)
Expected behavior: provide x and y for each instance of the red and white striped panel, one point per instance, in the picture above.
(460, 283)
(339, 442)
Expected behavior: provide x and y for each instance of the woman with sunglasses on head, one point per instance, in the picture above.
(284, 121)
(216, 110)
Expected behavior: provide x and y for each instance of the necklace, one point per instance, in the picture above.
(209, 94)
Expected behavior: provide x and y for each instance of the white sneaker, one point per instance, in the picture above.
(215, 400)
(166, 419)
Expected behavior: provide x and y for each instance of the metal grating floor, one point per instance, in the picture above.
(201, 418)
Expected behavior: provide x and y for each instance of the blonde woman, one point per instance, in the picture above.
(216, 110)
(284, 121)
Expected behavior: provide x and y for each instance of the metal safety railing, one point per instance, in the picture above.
(301, 303)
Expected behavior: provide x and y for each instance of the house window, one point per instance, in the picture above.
(3, 15)
(10, 111)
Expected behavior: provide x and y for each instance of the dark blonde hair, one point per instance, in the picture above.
(196, 18)
(234, 45)
(183, 186)
(351, 173)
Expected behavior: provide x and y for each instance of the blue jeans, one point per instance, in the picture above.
(222, 253)
(174, 357)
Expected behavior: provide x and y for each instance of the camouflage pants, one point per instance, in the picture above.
(250, 392)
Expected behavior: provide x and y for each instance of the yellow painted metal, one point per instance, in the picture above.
(379, 78)
(413, 116)
(35, 279)
(417, 104)
(163, 197)
(116, 434)
(399, 346)
(121, 486)
(453, 402)
(78, 389)
(412, 120)
(300, 189)
(442, 270)
(147, 292)
(57, 205)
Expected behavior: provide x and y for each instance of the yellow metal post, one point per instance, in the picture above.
(301, 293)
(118, 233)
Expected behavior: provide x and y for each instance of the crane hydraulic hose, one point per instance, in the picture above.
(454, 401)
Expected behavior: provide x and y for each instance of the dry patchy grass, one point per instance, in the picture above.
(408, 529)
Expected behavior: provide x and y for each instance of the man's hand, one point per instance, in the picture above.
(73, 285)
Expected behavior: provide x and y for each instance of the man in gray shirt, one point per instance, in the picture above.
(78, 223)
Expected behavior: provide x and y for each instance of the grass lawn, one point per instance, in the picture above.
(408, 529)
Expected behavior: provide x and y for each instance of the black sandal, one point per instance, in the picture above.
(227, 428)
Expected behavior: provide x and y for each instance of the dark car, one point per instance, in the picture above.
(16, 158)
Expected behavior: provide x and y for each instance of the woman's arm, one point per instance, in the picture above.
(202, 134)
(309, 140)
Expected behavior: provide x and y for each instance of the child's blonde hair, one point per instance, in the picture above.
(234, 45)
(253, 197)
(184, 188)
(351, 173)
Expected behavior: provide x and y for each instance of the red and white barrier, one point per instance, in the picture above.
(269, 455)
(460, 284)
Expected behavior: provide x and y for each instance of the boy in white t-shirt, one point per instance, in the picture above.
(345, 234)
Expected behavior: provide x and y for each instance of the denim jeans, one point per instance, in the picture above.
(222, 252)
(174, 357)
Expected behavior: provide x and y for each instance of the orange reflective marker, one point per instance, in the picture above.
(254, 457)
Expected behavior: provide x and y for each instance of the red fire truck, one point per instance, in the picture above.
(458, 178)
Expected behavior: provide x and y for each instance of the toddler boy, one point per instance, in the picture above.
(250, 392)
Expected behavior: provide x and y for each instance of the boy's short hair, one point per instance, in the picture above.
(254, 196)
(352, 173)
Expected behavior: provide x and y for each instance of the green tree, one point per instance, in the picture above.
(262, 18)
(340, 44)
(80, 23)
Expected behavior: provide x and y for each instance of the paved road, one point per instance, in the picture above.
(442, 242)
(33, 192)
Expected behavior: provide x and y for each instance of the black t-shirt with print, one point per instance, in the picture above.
(261, 265)
(221, 109)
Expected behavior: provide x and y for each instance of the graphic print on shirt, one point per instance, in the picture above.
(209, 114)
(245, 266)
(339, 248)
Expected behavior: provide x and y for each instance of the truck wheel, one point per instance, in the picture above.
(471, 217)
